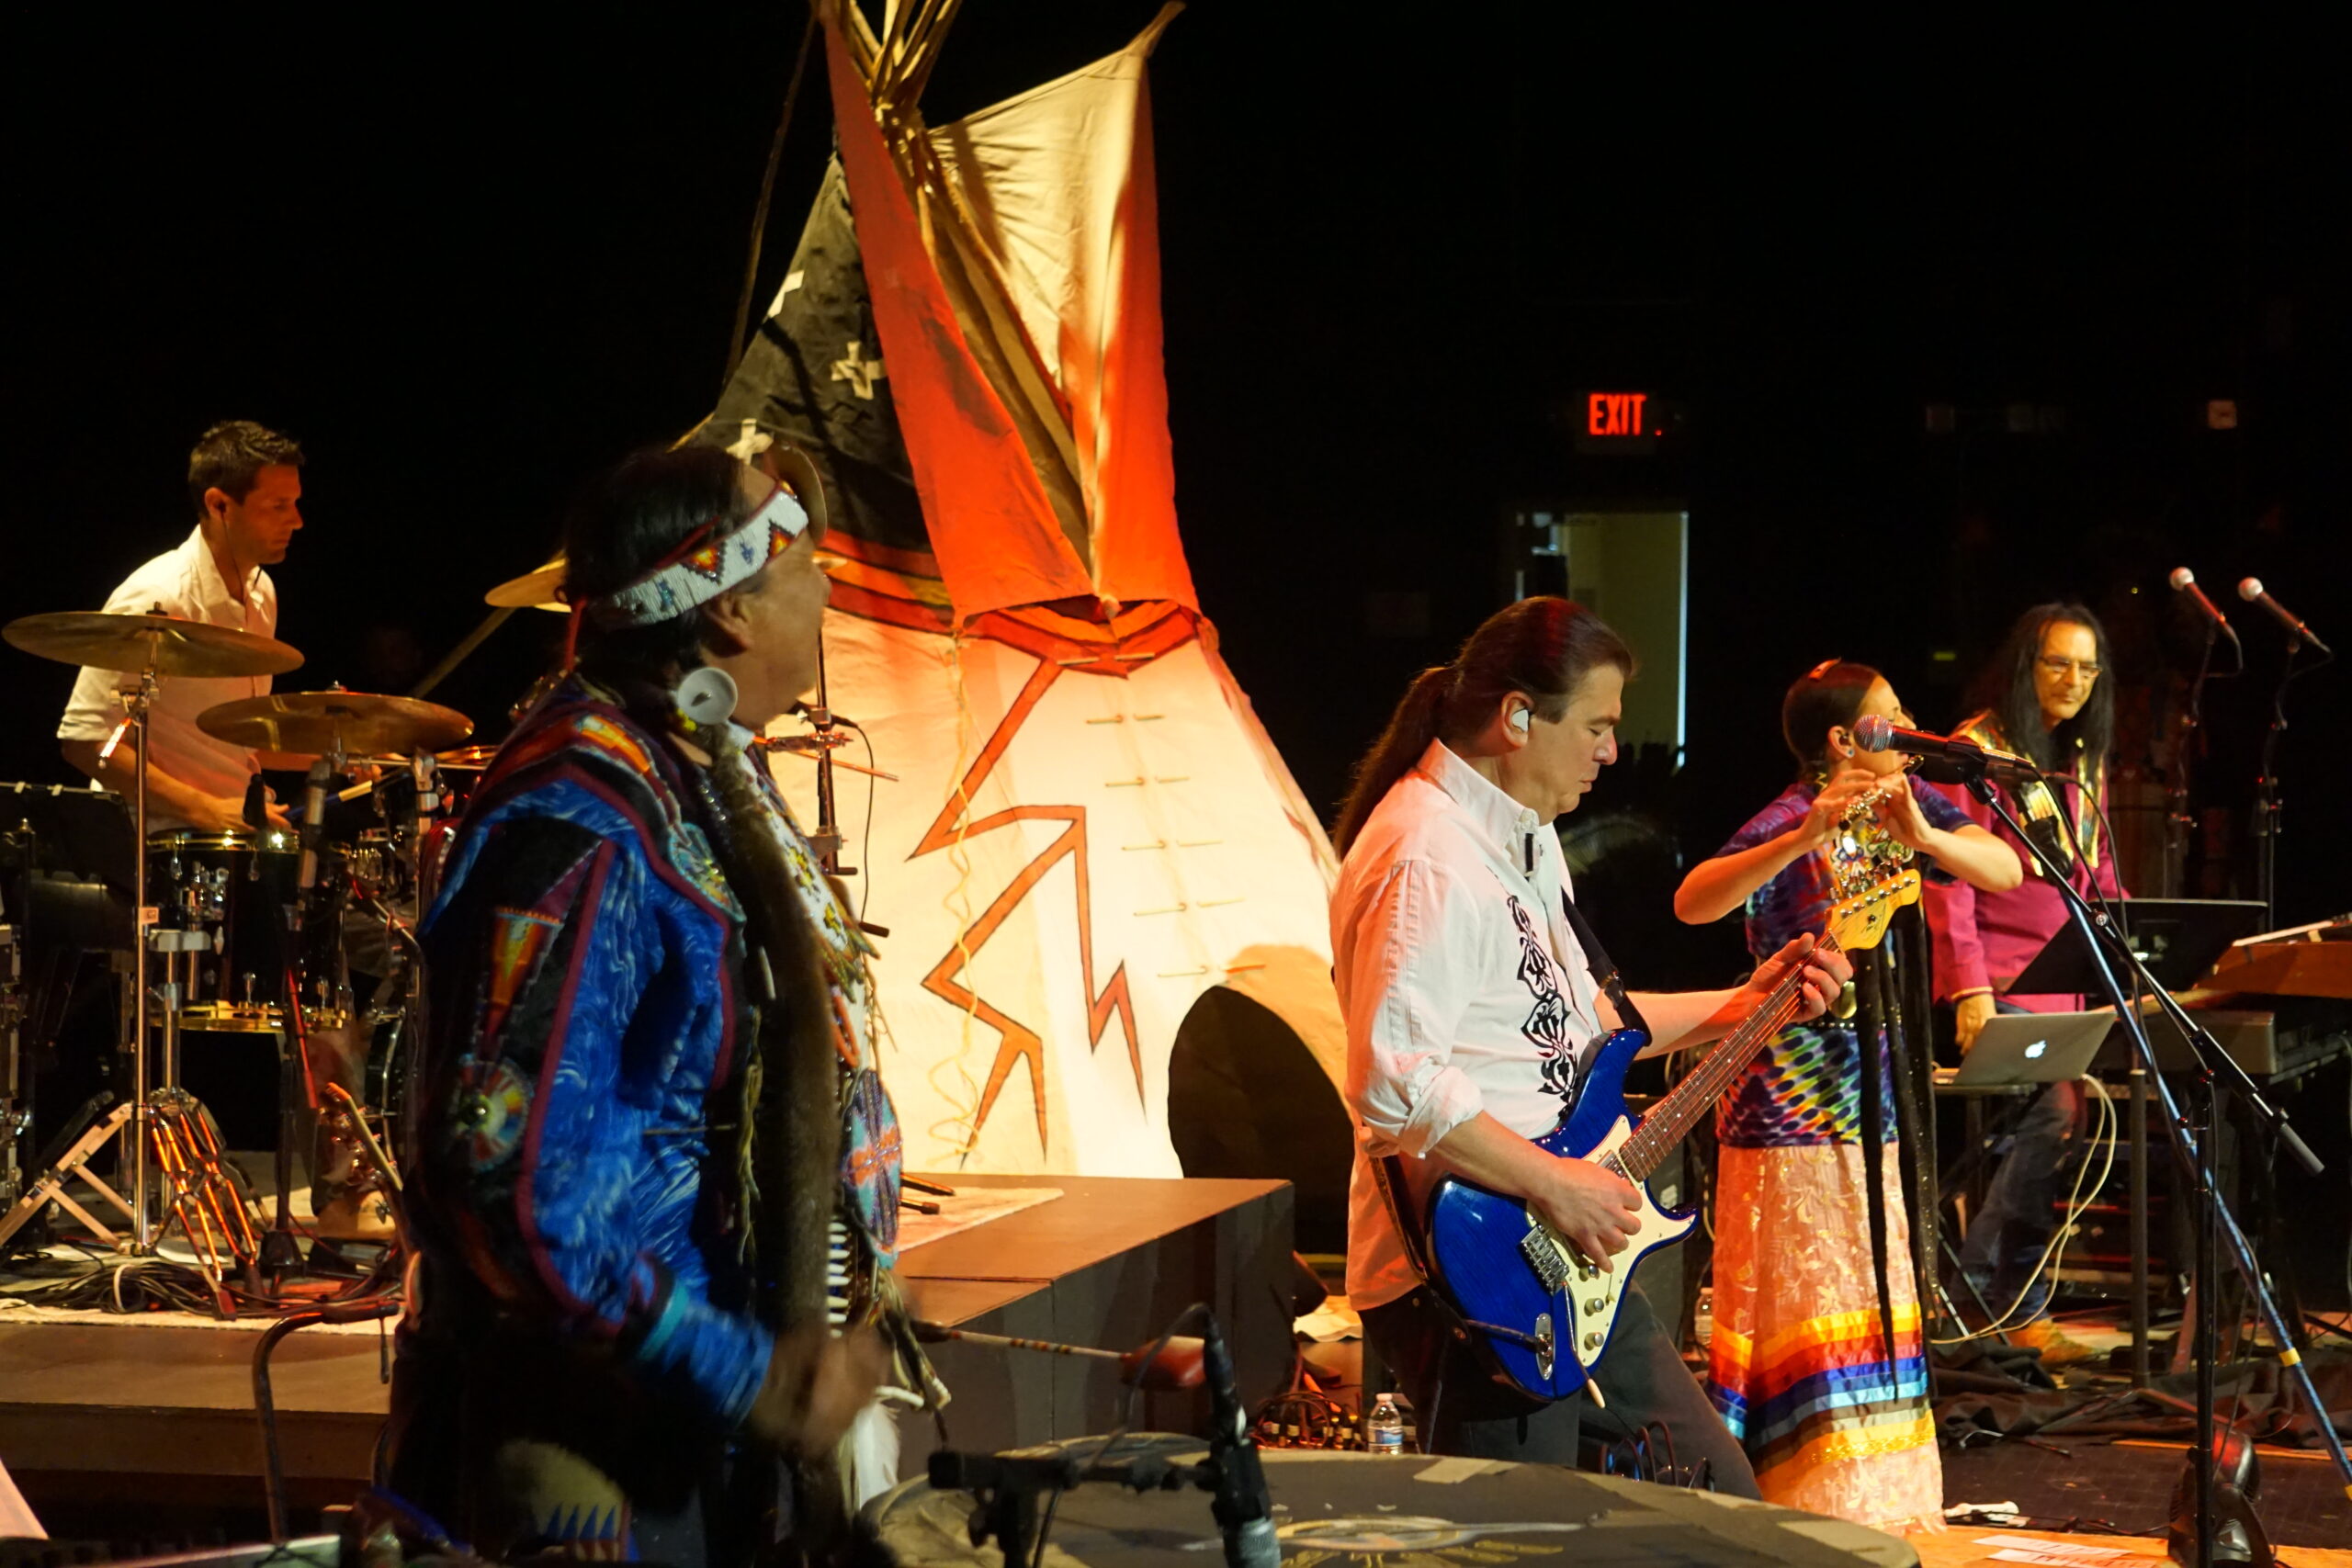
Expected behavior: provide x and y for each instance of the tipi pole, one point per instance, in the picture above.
(736, 343)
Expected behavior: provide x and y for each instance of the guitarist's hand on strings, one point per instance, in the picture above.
(1594, 1210)
(1825, 974)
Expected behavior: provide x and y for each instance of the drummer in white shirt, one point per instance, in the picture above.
(245, 482)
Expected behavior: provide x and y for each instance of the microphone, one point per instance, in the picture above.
(1243, 1507)
(2184, 581)
(314, 821)
(1947, 759)
(2253, 592)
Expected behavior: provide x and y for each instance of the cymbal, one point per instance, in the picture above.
(534, 590)
(359, 722)
(168, 644)
(780, 460)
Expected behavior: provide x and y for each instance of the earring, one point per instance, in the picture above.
(706, 696)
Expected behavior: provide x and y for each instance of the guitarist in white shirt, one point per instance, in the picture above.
(1472, 1012)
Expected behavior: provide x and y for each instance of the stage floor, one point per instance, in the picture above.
(1968, 1548)
(93, 1414)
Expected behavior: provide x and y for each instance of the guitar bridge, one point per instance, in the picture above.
(1542, 1255)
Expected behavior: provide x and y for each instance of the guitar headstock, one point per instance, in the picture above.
(1857, 922)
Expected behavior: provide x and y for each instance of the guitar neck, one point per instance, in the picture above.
(1663, 1128)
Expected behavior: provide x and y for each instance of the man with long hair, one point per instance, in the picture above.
(2045, 697)
(654, 1184)
(1473, 1012)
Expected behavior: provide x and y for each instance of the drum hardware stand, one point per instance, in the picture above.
(15, 1118)
(50, 1185)
(143, 916)
(2192, 1152)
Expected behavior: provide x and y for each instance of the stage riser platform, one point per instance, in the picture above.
(1238, 1261)
(93, 1414)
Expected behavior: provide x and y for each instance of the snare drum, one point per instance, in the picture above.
(241, 888)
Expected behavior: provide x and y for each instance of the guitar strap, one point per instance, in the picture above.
(1389, 1171)
(1604, 972)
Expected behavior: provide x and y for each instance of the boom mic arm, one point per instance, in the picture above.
(1948, 759)
(2184, 581)
(2253, 592)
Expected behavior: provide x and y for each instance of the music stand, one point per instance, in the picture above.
(2177, 939)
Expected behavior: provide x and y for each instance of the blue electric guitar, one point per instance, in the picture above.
(1543, 1314)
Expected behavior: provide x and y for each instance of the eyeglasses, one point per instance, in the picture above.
(2065, 667)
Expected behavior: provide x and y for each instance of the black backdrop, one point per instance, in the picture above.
(469, 259)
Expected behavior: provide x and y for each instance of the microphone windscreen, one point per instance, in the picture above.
(1872, 731)
(2182, 578)
(2250, 589)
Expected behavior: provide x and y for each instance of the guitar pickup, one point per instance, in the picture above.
(1543, 1256)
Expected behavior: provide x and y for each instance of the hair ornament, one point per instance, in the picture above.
(704, 699)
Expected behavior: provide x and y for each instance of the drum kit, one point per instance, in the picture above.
(255, 931)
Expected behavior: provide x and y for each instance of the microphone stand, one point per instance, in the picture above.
(2191, 1155)
(1011, 1483)
(826, 839)
(2177, 821)
(2267, 805)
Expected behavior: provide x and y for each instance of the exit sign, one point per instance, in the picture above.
(1616, 414)
(1619, 424)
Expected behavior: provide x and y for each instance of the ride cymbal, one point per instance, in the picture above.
(166, 644)
(356, 722)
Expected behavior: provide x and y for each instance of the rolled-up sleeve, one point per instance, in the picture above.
(1407, 968)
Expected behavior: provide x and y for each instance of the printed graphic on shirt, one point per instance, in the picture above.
(1547, 1022)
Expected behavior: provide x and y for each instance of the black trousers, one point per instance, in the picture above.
(1464, 1411)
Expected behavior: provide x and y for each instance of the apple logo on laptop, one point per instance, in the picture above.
(2033, 1052)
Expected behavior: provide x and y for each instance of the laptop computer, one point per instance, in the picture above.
(2033, 1047)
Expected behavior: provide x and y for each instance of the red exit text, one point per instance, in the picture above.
(1615, 413)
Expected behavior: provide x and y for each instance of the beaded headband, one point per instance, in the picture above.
(703, 568)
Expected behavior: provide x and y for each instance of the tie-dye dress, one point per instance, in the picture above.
(1798, 1363)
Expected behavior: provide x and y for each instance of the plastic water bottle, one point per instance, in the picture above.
(1384, 1429)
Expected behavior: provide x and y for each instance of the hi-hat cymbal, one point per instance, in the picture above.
(166, 644)
(534, 590)
(358, 722)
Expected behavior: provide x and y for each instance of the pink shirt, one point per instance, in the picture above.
(1983, 940)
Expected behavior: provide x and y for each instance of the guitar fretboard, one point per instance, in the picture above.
(1670, 1119)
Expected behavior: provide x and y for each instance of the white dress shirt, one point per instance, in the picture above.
(186, 583)
(1463, 988)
